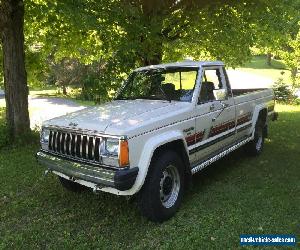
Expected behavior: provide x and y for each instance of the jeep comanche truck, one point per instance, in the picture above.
(166, 123)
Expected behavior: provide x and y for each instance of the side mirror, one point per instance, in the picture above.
(220, 94)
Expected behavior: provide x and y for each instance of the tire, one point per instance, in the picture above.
(162, 192)
(70, 185)
(256, 146)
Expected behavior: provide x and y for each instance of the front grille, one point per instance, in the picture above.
(75, 145)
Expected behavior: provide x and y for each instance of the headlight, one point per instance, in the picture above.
(45, 135)
(115, 152)
(111, 147)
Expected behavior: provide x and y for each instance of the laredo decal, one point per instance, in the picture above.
(192, 139)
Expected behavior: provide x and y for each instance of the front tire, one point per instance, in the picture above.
(162, 192)
(255, 147)
(70, 185)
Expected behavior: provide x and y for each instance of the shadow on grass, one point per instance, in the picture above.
(218, 170)
(260, 62)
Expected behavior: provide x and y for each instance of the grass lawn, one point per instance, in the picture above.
(258, 66)
(236, 195)
(53, 91)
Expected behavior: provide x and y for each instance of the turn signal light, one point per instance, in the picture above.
(124, 154)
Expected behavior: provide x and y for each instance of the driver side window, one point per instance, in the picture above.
(211, 82)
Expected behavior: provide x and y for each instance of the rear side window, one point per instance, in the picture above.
(213, 76)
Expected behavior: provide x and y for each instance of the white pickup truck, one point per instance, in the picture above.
(166, 123)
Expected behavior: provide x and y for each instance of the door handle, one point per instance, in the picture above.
(224, 106)
(212, 107)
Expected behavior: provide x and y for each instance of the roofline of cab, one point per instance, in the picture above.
(184, 64)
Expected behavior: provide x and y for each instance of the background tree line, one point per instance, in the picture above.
(94, 44)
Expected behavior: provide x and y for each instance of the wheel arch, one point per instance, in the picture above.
(260, 112)
(172, 140)
(178, 146)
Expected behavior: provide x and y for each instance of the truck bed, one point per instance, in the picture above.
(258, 95)
(238, 92)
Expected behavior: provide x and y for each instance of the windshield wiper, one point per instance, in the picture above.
(164, 93)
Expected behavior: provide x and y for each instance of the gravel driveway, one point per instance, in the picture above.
(45, 108)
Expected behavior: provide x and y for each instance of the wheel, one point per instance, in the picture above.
(70, 185)
(255, 147)
(162, 192)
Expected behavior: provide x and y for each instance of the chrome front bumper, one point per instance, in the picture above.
(122, 179)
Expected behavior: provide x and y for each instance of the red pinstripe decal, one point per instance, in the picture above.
(199, 136)
(194, 138)
(220, 128)
(244, 118)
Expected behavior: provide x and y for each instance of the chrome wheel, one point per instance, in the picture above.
(169, 186)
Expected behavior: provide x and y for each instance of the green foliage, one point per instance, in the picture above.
(66, 72)
(121, 35)
(93, 89)
(283, 40)
(291, 56)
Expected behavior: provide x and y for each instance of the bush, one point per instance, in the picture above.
(283, 92)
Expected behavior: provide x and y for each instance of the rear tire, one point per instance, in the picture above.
(162, 192)
(255, 147)
(70, 185)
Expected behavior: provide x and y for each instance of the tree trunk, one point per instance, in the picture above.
(294, 75)
(64, 89)
(294, 72)
(153, 59)
(269, 59)
(152, 47)
(15, 78)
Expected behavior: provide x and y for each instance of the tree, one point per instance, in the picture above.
(122, 34)
(15, 80)
(280, 37)
(291, 56)
(132, 33)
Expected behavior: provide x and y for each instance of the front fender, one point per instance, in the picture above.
(149, 148)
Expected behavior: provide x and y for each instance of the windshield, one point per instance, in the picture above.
(175, 84)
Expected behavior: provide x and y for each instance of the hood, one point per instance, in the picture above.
(100, 118)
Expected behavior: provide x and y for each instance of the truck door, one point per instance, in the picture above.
(215, 114)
